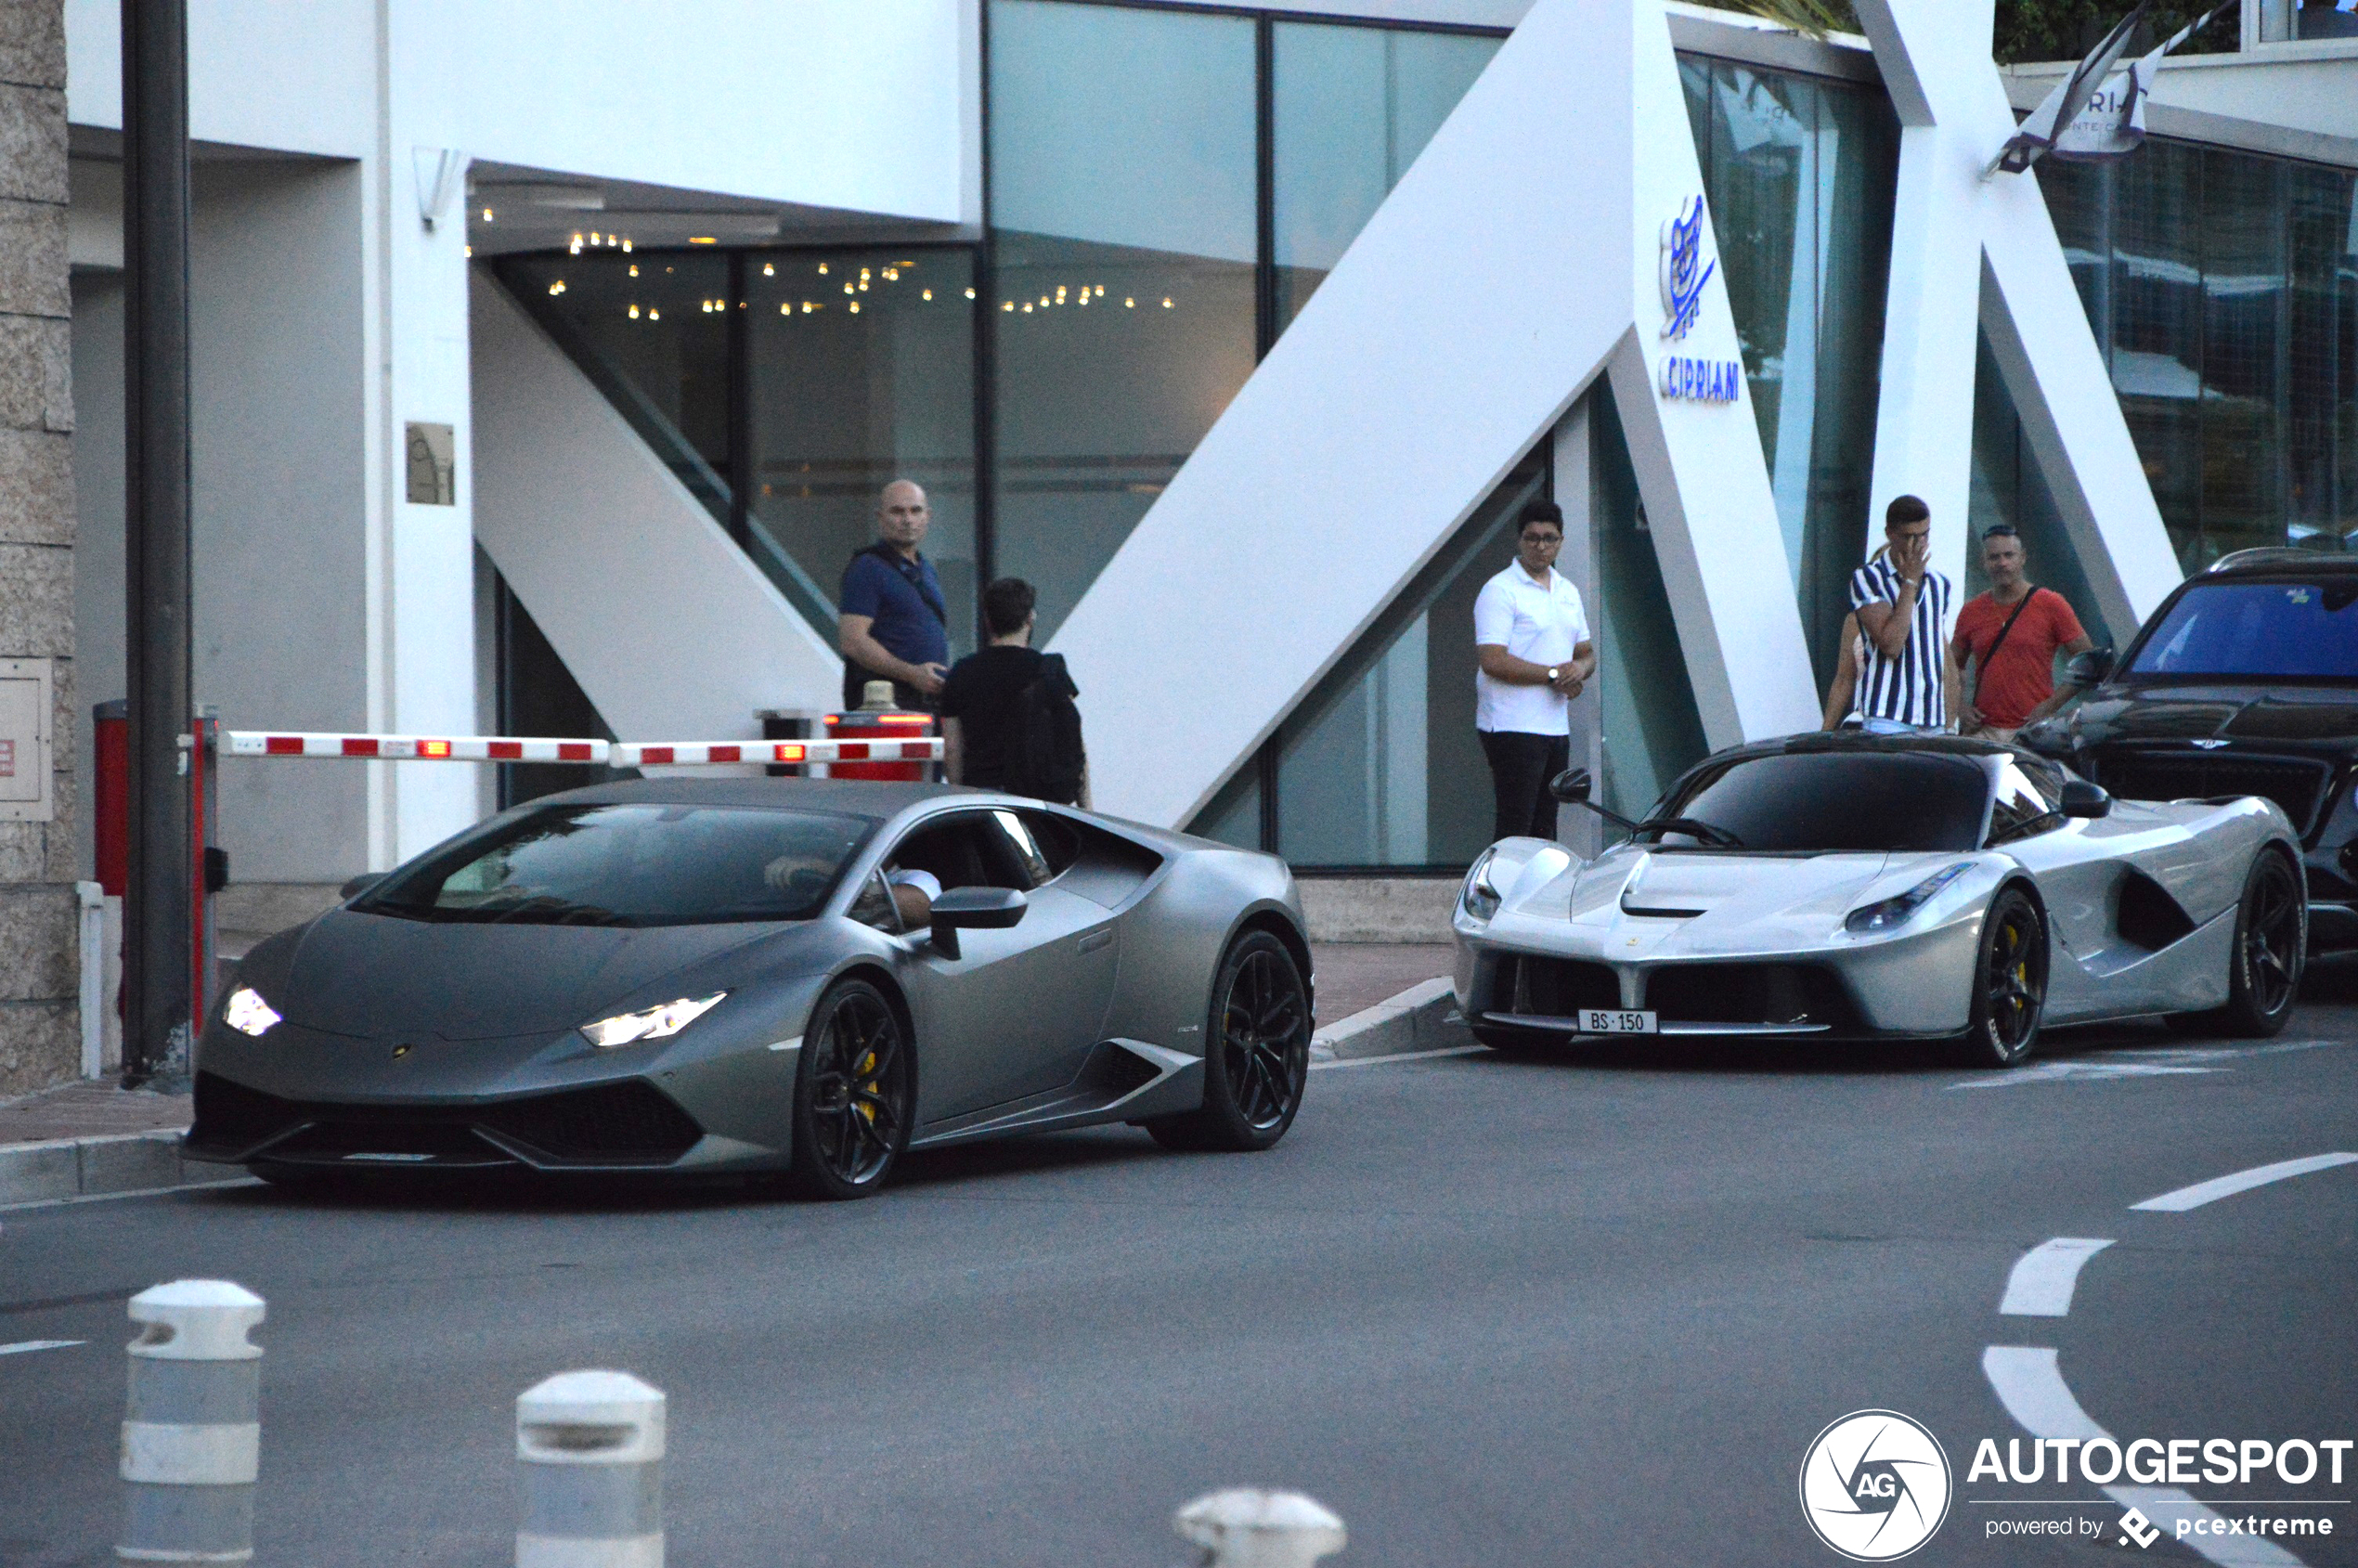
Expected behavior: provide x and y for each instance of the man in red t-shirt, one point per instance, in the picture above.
(2012, 634)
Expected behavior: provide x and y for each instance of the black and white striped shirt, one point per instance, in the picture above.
(1907, 689)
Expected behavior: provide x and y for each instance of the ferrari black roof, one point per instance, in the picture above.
(1866, 741)
(2279, 561)
(876, 799)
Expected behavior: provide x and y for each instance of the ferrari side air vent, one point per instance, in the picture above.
(628, 1123)
(2149, 916)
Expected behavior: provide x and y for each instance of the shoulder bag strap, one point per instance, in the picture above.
(1981, 664)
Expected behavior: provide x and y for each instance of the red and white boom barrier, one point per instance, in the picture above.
(613, 754)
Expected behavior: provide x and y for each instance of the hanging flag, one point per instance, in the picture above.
(2097, 111)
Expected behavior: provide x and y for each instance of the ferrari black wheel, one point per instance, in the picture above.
(2272, 941)
(1256, 1053)
(855, 1094)
(2009, 983)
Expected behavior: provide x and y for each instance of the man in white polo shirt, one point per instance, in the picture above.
(1531, 639)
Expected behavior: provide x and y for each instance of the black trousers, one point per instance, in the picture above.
(1521, 765)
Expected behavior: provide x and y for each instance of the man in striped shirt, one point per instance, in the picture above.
(1902, 605)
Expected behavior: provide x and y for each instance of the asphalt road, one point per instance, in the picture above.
(1587, 1309)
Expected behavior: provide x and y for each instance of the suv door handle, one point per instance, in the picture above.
(1096, 939)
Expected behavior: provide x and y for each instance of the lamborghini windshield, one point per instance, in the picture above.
(629, 865)
(2258, 631)
(1829, 801)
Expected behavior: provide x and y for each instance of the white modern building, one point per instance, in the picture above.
(548, 359)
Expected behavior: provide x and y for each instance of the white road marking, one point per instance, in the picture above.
(2161, 1062)
(22, 1346)
(2041, 1282)
(2034, 1393)
(2195, 1196)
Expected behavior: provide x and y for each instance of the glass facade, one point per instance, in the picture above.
(1123, 152)
(1168, 185)
(2223, 287)
(785, 388)
(1800, 172)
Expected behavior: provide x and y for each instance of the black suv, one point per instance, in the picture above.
(2244, 682)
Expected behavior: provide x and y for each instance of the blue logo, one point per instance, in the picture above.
(1684, 272)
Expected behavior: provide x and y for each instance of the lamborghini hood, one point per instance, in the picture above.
(369, 975)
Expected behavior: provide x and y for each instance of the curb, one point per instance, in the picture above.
(1422, 1019)
(94, 1167)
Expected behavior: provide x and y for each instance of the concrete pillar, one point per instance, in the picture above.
(420, 577)
(192, 1428)
(1245, 1527)
(40, 1030)
(591, 1446)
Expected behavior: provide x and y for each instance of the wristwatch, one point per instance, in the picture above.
(1553, 674)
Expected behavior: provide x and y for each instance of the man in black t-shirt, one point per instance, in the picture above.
(980, 708)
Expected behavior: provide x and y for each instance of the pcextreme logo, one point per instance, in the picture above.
(1874, 1485)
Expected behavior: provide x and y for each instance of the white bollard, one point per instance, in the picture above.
(591, 1446)
(192, 1428)
(1245, 1527)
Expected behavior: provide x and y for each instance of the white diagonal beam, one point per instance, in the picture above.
(1489, 289)
(1966, 249)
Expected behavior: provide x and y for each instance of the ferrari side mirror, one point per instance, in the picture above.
(979, 908)
(361, 883)
(2088, 668)
(2082, 799)
(1572, 786)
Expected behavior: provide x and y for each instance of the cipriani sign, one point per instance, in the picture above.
(1684, 272)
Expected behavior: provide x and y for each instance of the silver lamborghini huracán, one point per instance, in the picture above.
(1856, 887)
(808, 977)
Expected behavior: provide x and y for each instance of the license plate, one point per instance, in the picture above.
(1603, 1020)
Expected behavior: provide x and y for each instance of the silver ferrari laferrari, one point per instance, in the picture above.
(749, 975)
(1857, 887)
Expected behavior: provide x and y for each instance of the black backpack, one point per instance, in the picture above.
(1045, 758)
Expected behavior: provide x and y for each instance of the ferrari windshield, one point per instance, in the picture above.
(1834, 802)
(630, 865)
(2262, 630)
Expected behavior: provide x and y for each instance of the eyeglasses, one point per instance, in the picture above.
(1543, 538)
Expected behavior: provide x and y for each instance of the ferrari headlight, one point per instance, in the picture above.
(649, 1023)
(1888, 912)
(1481, 896)
(247, 1013)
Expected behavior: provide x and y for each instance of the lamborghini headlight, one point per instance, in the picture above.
(1480, 897)
(649, 1023)
(247, 1013)
(1888, 912)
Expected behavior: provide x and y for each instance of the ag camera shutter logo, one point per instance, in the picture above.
(1875, 1485)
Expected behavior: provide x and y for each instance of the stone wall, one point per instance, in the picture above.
(40, 1028)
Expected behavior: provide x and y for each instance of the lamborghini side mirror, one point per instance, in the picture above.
(1572, 786)
(975, 909)
(2082, 799)
(2088, 668)
(359, 885)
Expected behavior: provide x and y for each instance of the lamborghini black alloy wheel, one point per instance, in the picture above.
(1257, 1056)
(854, 1093)
(2011, 989)
(1265, 1039)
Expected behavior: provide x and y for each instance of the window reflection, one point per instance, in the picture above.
(1352, 106)
(1123, 181)
(861, 371)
